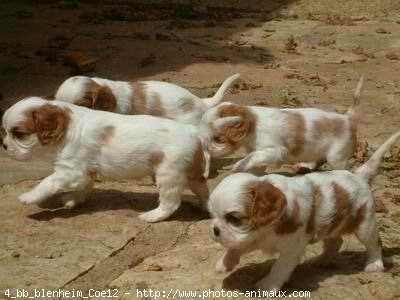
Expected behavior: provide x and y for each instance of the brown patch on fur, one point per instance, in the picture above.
(344, 221)
(107, 135)
(342, 210)
(317, 198)
(289, 223)
(88, 98)
(195, 170)
(265, 204)
(104, 99)
(85, 101)
(296, 130)
(157, 108)
(156, 159)
(328, 126)
(98, 97)
(49, 122)
(138, 99)
(187, 104)
(234, 134)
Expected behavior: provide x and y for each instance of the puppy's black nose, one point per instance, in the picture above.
(216, 231)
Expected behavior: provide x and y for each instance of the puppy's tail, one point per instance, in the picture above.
(368, 170)
(353, 111)
(219, 95)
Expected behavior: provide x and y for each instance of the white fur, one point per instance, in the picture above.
(230, 197)
(129, 153)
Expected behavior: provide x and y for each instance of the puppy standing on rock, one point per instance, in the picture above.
(86, 142)
(279, 214)
(274, 136)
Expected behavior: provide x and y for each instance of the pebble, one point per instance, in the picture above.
(15, 254)
(383, 31)
(153, 268)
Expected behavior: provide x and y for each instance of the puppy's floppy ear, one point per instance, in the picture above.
(265, 203)
(103, 99)
(50, 123)
(220, 123)
(229, 128)
(235, 122)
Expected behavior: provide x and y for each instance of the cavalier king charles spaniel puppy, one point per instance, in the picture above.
(307, 136)
(86, 142)
(281, 215)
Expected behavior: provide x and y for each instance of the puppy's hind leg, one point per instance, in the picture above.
(171, 186)
(368, 234)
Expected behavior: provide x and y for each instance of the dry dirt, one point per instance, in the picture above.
(307, 53)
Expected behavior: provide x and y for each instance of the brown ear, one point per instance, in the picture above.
(103, 99)
(50, 123)
(265, 204)
(235, 133)
(239, 130)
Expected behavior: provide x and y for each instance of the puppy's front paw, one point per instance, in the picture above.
(376, 266)
(27, 198)
(154, 215)
(227, 262)
(222, 267)
(70, 204)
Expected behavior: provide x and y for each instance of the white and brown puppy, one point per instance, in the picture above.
(86, 142)
(155, 98)
(275, 136)
(279, 214)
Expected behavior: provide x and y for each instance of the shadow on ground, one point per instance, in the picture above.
(128, 39)
(307, 276)
(106, 200)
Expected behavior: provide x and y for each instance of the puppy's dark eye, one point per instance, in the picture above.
(234, 219)
(18, 133)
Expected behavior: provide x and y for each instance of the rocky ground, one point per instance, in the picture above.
(294, 54)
